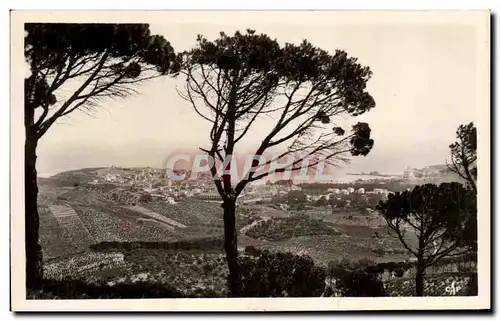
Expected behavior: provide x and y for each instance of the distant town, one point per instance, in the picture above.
(148, 183)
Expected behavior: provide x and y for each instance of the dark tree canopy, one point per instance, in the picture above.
(258, 54)
(74, 67)
(436, 214)
(234, 81)
(54, 43)
(98, 60)
(243, 77)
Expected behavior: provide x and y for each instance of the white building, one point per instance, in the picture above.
(409, 173)
(361, 190)
(316, 197)
(110, 177)
(350, 190)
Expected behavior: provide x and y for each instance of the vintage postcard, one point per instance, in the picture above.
(250, 160)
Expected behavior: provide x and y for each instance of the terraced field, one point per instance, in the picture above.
(55, 241)
(284, 228)
(69, 221)
(72, 220)
(101, 225)
(189, 212)
(103, 220)
(322, 248)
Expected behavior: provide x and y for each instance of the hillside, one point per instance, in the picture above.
(75, 217)
(88, 235)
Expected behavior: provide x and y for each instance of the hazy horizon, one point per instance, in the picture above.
(423, 83)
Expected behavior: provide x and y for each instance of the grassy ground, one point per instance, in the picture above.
(197, 272)
(188, 271)
(439, 285)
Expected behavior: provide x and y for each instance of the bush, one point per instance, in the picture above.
(356, 278)
(361, 283)
(281, 274)
(252, 250)
(399, 272)
(365, 262)
(471, 289)
(196, 244)
(391, 266)
(379, 251)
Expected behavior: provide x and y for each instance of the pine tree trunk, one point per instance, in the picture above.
(419, 282)
(231, 248)
(34, 270)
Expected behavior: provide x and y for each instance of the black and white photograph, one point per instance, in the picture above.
(328, 159)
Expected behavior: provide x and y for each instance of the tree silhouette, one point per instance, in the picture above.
(437, 216)
(74, 67)
(463, 158)
(464, 155)
(236, 80)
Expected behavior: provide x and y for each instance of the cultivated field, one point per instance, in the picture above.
(94, 219)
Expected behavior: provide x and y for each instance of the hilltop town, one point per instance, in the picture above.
(154, 183)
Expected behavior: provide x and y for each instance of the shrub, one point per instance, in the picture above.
(471, 289)
(252, 250)
(360, 283)
(356, 278)
(380, 268)
(365, 262)
(379, 251)
(77, 289)
(391, 266)
(281, 274)
(399, 272)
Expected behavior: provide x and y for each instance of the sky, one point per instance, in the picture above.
(423, 84)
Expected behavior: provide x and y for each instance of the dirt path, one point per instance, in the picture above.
(156, 216)
(245, 228)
